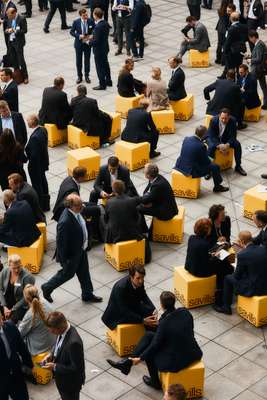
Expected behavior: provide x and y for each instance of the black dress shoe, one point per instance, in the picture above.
(148, 381)
(110, 84)
(242, 126)
(46, 8)
(154, 154)
(124, 366)
(46, 30)
(46, 295)
(207, 177)
(79, 80)
(26, 15)
(264, 176)
(99, 88)
(92, 299)
(65, 27)
(222, 309)
(240, 171)
(87, 79)
(220, 188)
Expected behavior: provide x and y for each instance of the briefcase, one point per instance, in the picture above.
(17, 76)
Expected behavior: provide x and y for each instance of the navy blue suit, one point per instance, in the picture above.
(81, 47)
(250, 95)
(101, 49)
(137, 31)
(228, 136)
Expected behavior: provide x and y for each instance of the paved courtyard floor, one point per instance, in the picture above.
(235, 354)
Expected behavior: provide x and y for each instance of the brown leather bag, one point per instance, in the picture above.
(17, 76)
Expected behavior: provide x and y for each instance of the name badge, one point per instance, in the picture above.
(17, 284)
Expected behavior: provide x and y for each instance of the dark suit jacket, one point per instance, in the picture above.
(19, 127)
(67, 187)
(235, 41)
(176, 89)
(160, 194)
(257, 57)
(100, 38)
(198, 260)
(18, 349)
(28, 193)
(225, 230)
(103, 180)
(227, 95)
(70, 367)
(76, 30)
(138, 15)
(250, 95)
(126, 84)
(174, 346)
(19, 227)
(261, 238)
(213, 134)
(55, 108)
(125, 303)
(37, 151)
(21, 23)
(86, 115)
(122, 219)
(250, 272)
(10, 95)
(193, 160)
(139, 126)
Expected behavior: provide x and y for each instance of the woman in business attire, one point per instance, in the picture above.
(221, 225)
(156, 92)
(13, 280)
(127, 84)
(222, 26)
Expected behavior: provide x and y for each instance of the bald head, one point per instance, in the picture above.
(8, 197)
(234, 17)
(74, 203)
(245, 238)
(33, 121)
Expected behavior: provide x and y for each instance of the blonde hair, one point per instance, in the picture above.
(31, 296)
(14, 258)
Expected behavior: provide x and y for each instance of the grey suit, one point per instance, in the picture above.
(256, 61)
(199, 42)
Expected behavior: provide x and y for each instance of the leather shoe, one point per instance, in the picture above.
(207, 177)
(110, 84)
(87, 79)
(46, 295)
(26, 81)
(155, 154)
(99, 88)
(92, 299)
(65, 27)
(222, 309)
(79, 80)
(148, 381)
(264, 176)
(124, 366)
(220, 188)
(46, 30)
(240, 171)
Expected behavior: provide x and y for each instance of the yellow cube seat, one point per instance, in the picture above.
(32, 256)
(192, 291)
(84, 157)
(224, 160)
(77, 139)
(252, 115)
(253, 309)
(132, 155)
(42, 375)
(42, 228)
(55, 136)
(169, 231)
(199, 59)
(164, 121)
(116, 124)
(208, 118)
(124, 104)
(254, 200)
(192, 379)
(123, 255)
(185, 186)
(184, 108)
(125, 337)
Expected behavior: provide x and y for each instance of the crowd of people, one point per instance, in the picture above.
(29, 325)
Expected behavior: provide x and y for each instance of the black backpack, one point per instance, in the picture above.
(147, 14)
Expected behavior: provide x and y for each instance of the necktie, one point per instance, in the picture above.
(57, 345)
(5, 342)
(84, 28)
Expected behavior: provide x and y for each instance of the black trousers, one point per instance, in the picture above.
(137, 36)
(215, 172)
(194, 11)
(102, 69)
(18, 60)
(83, 53)
(60, 6)
(77, 265)
(228, 290)
(219, 50)
(69, 395)
(28, 6)
(39, 183)
(15, 387)
(42, 4)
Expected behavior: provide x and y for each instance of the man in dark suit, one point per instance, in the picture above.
(163, 351)
(81, 29)
(99, 42)
(55, 5)
(72, 242)
(221, 136)
(137, 29)
(129, 302)
(37, 154)
(194, 160)
(199, 42)
(250, 276)
(67, 357)
(16, 29)
(13, 353)
(18, 226)
(103, 4)
(140, 127)
(24, 191)
(248, 86)
(227, 95)
(14, 121)
(5, 5)
(88, 117)
(55, 108)
(260, 220)
(257, 60)
(108, 173)
(9, 91)
(176, 89)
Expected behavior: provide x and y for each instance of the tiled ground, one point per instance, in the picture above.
(234, 351)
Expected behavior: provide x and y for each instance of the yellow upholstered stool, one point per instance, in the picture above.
(208, 118)
(42, 228)
(164, 120)
(116, 124)
(184, 108)
(192, 291)
(254, 200)
(252, 115)
(125, 337)
(133, 155)
(224, 160)
(84, 157)
(32, 256)
(124, 104)
(192, 378)
(77, 139)
(254, 309)
(123, 255)
(169, 231)
(199, 59)
(184, 186)
(42, 375)
(55, 136)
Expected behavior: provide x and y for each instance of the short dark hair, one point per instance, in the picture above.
(225, 111)
(137, 268)
(177, 59)
(17, 178)
(261, 216)
(79, 172)
(98, 12)
(118, 187)
(82, 11)
(244, 66)
(215, 210)
(200, 131)
(113, 161)
(152, 170)
(56, 320)
(232, 6)
(202, 226)
(176, 392)
(253, 33)
(167, 299)
(59, 81)
(230, 74)
(190, 19)
(7, 71)
(82, 89)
